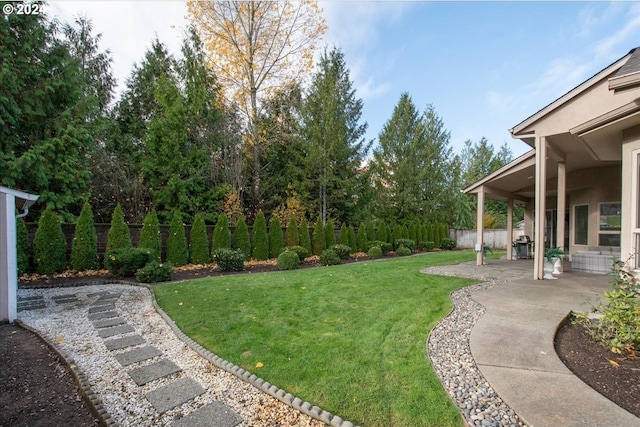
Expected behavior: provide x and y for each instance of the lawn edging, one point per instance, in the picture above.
(283, 396)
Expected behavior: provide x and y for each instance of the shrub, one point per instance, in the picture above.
(260, 238)
(351, 237)
(288, 260)
(405, 232)
(427, 246)
(291, 237)
(155, 272)
(50, 245)
(413, 232)
(375, 252)
(361, 238)
(299, 250)
(177, 252)
(384, 246)
(436, 235)
(408, 243)
(124, 262)
(228, 259)
(319, 239)
(22, 244)
(84, 248)
(118, 235)
(444, 231)
(276, 241)
(150, 237)
(221, 235)
(424, 234)
(330, 234)
(329, 257)
(303, 233)
(383, 232)
(371, 232)
(240, 239)
(448, 244)
(199, 241)
(403, 251)
(342, 251)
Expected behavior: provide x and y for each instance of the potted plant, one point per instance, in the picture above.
(485, 250)
(553, 258)
(514, 250)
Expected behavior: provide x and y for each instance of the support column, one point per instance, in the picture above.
(509, 229)
(539, 214)
(562, 202)
(8, 258)
(480, 227)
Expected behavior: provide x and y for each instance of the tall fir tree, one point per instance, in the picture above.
(84, 248)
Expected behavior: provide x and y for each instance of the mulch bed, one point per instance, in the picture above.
(36, 388)
(615, 376)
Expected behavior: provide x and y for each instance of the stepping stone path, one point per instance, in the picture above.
(119, 335)
(31, 303)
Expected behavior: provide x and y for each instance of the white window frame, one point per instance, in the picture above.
(575, 224)
(618, 232)
(635, 206)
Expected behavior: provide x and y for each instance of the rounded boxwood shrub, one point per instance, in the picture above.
(448, 244)
(408, 243)
(427, 246)
(342, 251)
(329, 257)
(125, 262)
(302, 252)
(403, 251)
(229, 259)
(260, 238)
(150, 237)
(154, 272)
(384, 246)
(50, 245)
(288, 260)
(375, 252)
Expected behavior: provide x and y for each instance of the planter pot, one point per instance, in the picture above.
(514, 253)
(548, 270)
(557, 266)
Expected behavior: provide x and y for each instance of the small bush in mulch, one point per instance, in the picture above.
(229, 260)
(403, 251)
(375, 252)
(329, 257)
(288, 260)
(155, 272)
(125, 262)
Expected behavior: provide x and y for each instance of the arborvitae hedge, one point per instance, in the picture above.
(22, 243)
(430, 236)
(199, 241)
(382, 232)
(405, 232)
(319, 239)
(444, 232)
(397, 232)
(291, 236)
(240, 240)
(436, 234)
(50, 245)
(118, 236)
(351, 238)
(425, 234)
(343, 237)
(276, 240)
(150, 237)
(84, 249)
(303, 233)
(177, 252)
(260, 238)
(330, 234)
(413, 232)
(361, 238)
(419, 236)
(221, 234)
(371, 232)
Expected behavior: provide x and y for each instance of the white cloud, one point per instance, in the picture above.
(610, 46)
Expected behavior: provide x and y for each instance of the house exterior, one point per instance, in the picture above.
(580, 182)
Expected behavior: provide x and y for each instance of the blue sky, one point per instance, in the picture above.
(484, 66)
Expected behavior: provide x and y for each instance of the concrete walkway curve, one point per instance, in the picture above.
(513, 346)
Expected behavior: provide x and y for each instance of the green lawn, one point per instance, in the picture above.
(350, 338)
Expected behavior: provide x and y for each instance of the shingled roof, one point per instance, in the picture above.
(632, 65)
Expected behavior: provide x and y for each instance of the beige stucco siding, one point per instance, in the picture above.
(631, 144)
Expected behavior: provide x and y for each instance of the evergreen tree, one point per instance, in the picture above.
(351, 238)
(382, 232)
(331, 117)
(413, 232)
(361, 238)
(240, 239)
(292, 237)
(150, 237)
(118, 235)
(22, 244)
(276, 241)
(425, 234)
(319, 238)
(419, 235)
(49, 245)
(397, 232)
(84, 248)
(436, 234)
(260, 238)
(303, 232)
(221, 234)
(177, 251)
(199, 241)
(330, 234)
(343, 236)
(405, 232)
(371, 231)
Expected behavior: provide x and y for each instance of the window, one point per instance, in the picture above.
(610, 224)
(581, 227)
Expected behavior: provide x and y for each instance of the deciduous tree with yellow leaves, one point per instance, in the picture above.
(256, 47)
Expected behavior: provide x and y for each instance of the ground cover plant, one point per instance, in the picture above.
(350, 338)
